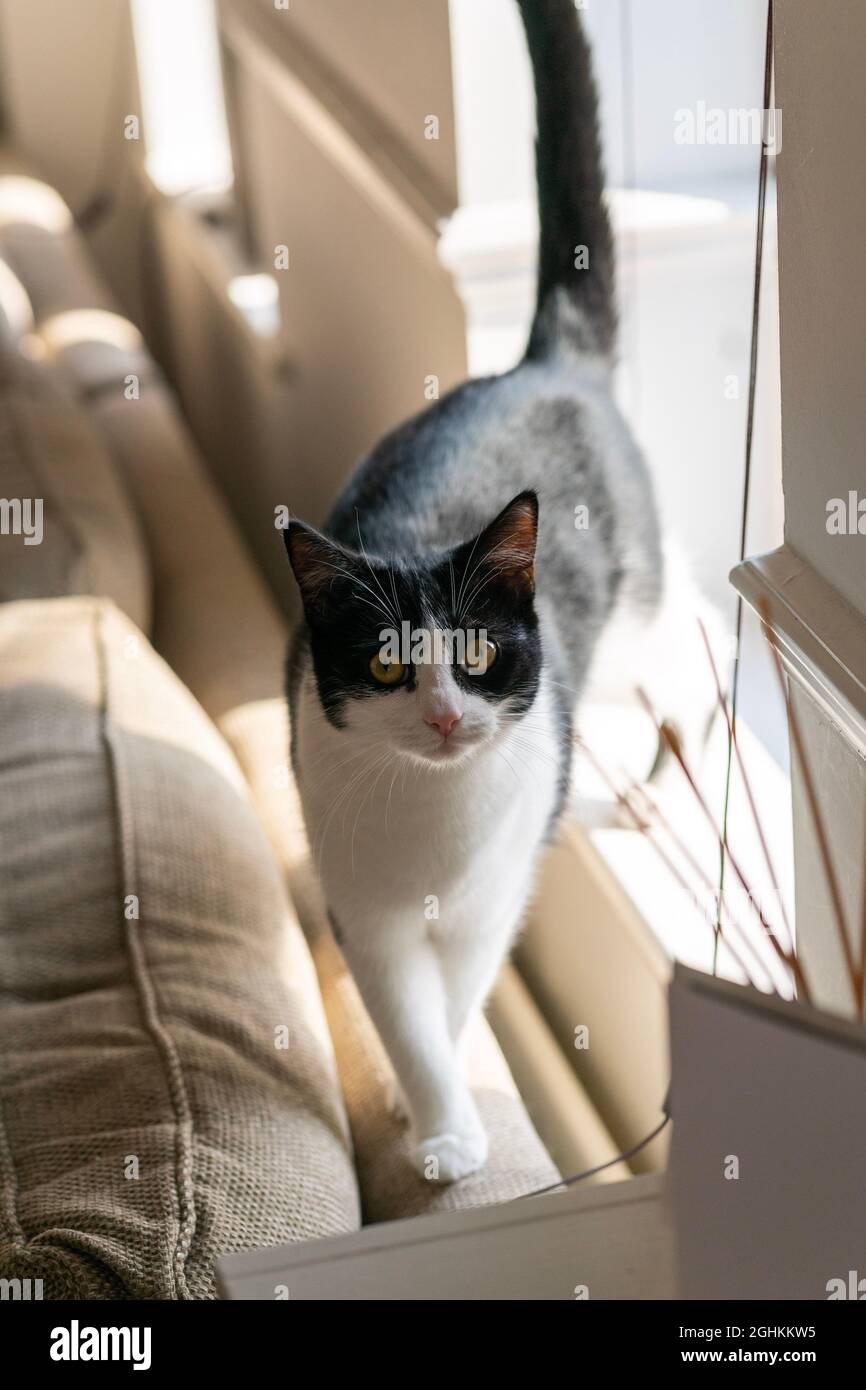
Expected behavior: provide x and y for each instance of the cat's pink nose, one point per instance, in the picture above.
(444, 722)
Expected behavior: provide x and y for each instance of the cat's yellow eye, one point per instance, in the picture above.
(386, 672)
(480, 656)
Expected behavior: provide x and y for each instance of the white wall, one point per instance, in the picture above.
(822, 207)
(822, 192)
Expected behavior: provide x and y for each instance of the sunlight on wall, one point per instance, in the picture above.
(258, 299)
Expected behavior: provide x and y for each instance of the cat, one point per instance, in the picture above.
(429, 787)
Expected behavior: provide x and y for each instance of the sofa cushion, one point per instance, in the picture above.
(39, 240)
(168, 1091)
(68, 526)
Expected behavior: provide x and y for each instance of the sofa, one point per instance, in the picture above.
(186, 1068)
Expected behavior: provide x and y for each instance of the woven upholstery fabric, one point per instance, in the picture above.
(150, 964)
(91, 541)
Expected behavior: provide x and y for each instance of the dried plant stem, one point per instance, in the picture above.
(732, 735)
(716, 927)
(624, 801)
(855, 974)
(667, 734)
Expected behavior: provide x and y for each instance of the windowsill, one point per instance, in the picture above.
(478, 233)
(491, 250)
(682, 923)
(822, 639)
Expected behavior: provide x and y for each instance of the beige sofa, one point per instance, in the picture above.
(186, 1071)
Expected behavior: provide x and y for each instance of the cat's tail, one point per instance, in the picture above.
(575, 261)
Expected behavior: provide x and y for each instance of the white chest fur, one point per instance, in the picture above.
(402, 849)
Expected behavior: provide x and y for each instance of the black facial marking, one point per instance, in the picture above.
(484, 585)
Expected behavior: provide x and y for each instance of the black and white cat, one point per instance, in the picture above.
(429, 786)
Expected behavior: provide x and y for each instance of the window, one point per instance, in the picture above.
(181, 93)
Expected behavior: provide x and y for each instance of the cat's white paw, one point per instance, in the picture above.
(448, 1157)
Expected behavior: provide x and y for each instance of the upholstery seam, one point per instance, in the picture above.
(131, 929)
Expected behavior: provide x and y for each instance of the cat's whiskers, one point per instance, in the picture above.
(354, 580)
(360, 742)
(400, 759)
(373, 574)
(371, 792)
(530, 731)
(534, 751)
(479, 587)
(533, 745)
(343, 797)
(394, 592)
(333, 768)
(467, 576)
(570, 688)
(501, 753)
(512, 748)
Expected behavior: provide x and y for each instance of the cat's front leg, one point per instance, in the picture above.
(402, 986)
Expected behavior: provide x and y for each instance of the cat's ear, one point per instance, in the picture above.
(506, 548)
(317, 563)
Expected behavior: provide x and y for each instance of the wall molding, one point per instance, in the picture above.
(368, 152)
(821, 638)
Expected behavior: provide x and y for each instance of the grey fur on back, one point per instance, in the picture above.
(550, 423)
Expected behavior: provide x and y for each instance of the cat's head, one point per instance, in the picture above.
(432, 658)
